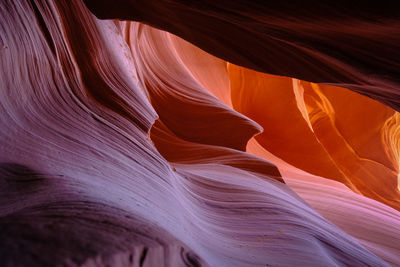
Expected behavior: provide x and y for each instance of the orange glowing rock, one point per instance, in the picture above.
(321, 129)
(325, 130)
(124, 145)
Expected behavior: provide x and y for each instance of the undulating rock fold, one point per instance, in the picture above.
(348, 44)
(124, 145)
(342, 133)
(182, 103)
(176, 150)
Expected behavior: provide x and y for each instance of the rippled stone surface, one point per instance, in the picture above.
(124, 145)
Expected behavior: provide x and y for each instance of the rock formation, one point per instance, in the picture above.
(122, 144)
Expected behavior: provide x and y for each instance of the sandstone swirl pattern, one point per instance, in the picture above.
(124, 145)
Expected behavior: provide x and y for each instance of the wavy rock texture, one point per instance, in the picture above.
(348, 44)
(341, 132)
(124, 145)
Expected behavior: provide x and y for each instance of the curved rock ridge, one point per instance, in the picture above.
(118, 149)
(176, 150)
(341, 43)
(182, 103)
(344, 136)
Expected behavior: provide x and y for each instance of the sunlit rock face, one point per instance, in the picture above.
(124, 145)
(345, 43)
(324, 130)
